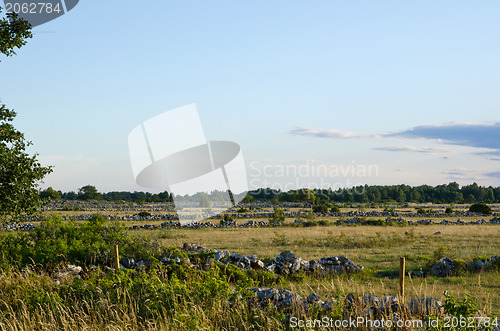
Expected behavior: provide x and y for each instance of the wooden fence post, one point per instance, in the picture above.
(117, 258)
(402, 279)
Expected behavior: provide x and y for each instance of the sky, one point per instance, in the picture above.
(317, 93)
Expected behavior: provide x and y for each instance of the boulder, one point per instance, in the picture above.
(286, 256)
(127, 263)
(426, 306)
(446, 267)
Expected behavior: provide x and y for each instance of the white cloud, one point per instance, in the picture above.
(426, 150)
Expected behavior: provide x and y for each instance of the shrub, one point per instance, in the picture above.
(226, 219)
(279, 239)
(421, 211)
(278, 217)
(335, 209)
(54, 242)
(448, 210)
(320, 209)
(480, 208)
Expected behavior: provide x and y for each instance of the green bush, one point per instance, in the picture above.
(54, 242)
(320, 209)
(335, 209)
(278, 217)
(480, 208)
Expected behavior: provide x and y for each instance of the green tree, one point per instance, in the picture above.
(20, 173)
(204, 201)
(278, 216)
(88, 192)
(50, 194)
(248, 198)
(13, 33)
(480, 208)
(305, 195)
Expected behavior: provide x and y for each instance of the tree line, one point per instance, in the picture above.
(447, 193)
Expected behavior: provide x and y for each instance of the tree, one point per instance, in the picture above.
(320, 208)
(20, 173)
(13, 33)
(204, 201)
(88, 192)
(50, 194)
(278, 217)
(305, 195)
(480, 208)
(248, 198)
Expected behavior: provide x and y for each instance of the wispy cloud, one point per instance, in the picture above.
(463, 174)
(494, 174)
(426, 150)
(321, 133)
(477, 135)
(483, 135)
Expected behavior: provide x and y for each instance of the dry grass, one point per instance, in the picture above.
(417, 243)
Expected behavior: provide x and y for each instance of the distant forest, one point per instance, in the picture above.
(450, 193)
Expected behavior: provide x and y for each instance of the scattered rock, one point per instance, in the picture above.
(426, 306)
(70, 271)
(446, 267)
(127, 263)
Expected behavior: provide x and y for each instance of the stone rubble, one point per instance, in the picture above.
(447, 267)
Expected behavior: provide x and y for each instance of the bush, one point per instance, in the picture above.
(480, 208)
(54, 242)
(323, 209)
(278, 217)
(335, 209)
(421, 211)
(448, 210)
(226, 219)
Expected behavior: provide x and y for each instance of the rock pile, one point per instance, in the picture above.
(286, 299)
(17, 226)
(371, 305)
(366, 305)
(70, 271)
(448, 267)
(426, 306)
(287, 263)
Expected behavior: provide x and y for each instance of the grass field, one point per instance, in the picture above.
(377, 248)
(180, 297)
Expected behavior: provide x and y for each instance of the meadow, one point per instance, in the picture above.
(180, 297)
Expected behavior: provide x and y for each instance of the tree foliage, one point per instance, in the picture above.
(480, 208)
(20, 173)
(13, 33)
(50, 194)
(446, 193)
(88, 192)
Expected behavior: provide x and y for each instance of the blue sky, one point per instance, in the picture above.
(411, 88)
